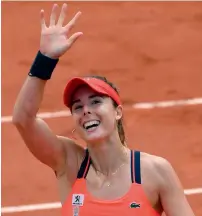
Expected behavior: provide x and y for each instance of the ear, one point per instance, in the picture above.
(119, 112)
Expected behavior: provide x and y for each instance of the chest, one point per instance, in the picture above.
(108, 188)
(84, 204)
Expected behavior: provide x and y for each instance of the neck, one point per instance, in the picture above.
(108, 156)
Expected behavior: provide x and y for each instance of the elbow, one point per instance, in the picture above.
(16, 120)
(21, 119)
(21, 122)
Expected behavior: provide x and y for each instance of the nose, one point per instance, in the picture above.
(86, 110)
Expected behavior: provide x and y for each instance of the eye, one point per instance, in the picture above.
(77, 107)
(96, 101)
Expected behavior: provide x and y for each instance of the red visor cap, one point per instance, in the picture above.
(95, 84)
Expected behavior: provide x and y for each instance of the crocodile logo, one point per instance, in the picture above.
(134, 205)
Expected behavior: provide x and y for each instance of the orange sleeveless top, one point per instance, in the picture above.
(80, 203)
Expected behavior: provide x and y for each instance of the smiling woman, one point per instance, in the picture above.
(100, 89)
(107, 178)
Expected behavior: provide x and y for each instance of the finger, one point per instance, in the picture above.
(74, 37)
(72, 23)
(42, 16)
(53, 15)
(62, 14)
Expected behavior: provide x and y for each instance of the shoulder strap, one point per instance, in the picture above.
(84, 166)
(135, 167)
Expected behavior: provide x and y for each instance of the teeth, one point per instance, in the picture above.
(90, 123)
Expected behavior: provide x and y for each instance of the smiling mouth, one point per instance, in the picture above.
(90, 125)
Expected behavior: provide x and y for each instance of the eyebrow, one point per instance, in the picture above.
(93, 96)
(75, 101)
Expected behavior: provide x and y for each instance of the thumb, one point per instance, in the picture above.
(73, 38)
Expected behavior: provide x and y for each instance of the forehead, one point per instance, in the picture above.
(83, 91)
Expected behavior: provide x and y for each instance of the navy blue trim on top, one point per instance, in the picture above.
(137, 167)
(83, 166)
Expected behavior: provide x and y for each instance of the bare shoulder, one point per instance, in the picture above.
(74, 153)
(158, 164)
(160, 169)
(163, 178)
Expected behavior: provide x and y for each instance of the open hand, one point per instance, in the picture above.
(54, 41)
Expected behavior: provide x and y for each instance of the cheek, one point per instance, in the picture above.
(108, 117)
(76, 124)
(109, 122)
(75, 119)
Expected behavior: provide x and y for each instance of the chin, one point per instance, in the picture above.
(95, 137)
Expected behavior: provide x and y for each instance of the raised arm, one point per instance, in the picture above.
(50, 149)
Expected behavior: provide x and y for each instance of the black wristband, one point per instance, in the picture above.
(42, 67)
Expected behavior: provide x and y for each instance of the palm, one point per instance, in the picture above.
(54, 41)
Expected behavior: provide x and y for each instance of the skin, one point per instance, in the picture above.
(103, 143)
(64, 156)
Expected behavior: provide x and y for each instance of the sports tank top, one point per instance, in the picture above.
(80, 203)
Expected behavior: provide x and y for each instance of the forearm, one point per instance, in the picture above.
(53, 44)
(29, 99)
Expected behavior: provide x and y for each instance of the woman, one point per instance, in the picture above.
(107, 178)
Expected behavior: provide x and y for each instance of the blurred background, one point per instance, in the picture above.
(150, 51)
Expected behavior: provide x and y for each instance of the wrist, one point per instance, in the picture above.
(43, 66)
(48, 55)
